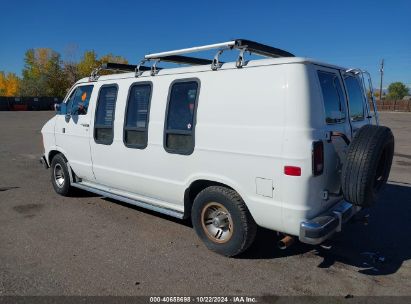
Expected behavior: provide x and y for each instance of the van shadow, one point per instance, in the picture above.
(80, 193)
(377, 248)
(184, 222)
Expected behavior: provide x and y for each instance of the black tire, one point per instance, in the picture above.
(243, 226)
(367, 165)
(59, 163)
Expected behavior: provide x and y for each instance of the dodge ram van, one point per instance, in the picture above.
(286, 143)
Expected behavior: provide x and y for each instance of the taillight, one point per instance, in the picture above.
(318, 158)
(292, 170)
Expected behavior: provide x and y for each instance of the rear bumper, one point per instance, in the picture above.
(43, 161)
(322, 227)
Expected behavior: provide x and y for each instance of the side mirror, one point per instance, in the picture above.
(61, 108)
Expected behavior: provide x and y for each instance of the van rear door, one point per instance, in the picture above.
(336, 121)
(357, 102)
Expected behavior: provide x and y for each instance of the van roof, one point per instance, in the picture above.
(205, 68)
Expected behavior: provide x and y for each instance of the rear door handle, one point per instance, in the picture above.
(332, 134)
(85, 125)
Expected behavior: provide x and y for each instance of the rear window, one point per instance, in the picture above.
(104, 120)
(355, 98)
(333, 97)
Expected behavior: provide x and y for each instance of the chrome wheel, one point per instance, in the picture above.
(59, 177)
(216, 222)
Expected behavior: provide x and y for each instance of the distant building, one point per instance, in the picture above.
(407, 97)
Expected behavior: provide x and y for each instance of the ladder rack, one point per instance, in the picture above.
(250, 46)
(177, 56)
(242, 45)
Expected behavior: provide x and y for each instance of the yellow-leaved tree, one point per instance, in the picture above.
(89, 62)
(9, 84)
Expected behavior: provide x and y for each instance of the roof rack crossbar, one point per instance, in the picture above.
(240, 44)
(122, 67)
(229, 44)
(261, 49)
(185, 60)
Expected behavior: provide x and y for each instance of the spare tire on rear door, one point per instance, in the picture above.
(367, 165)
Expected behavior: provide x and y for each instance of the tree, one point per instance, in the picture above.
(13, 84)
(397, 90)
(377, 94)
(70, 63)
(112, 58)
(90, 61)
(2, 84)
(43, 74)
(9, 84)
(87, 64)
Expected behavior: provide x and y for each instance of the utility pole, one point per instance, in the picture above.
(381, 72)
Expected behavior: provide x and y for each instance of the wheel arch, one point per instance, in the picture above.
(53, 152)
(195, 187)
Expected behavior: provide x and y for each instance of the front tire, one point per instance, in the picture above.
(222, 221)
(60, 177)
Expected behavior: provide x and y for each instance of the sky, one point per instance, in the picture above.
(347, 33)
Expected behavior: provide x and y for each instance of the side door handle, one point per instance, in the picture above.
(85, 125)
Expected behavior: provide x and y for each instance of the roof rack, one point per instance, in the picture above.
(176, 56)
(242, 45)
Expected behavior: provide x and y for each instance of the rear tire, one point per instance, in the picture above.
(367, 165)
(222, 221)
(60, 177)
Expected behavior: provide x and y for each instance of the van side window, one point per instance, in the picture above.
(137, 114)
(180, 118)
(333, 97)
(355, 98)
(79, 100)
(104, 120)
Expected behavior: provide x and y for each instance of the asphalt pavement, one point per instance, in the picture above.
(89, 245)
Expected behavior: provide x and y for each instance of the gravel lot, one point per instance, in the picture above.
(88, 245)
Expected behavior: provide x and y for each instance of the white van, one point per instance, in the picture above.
(286, 143)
